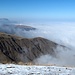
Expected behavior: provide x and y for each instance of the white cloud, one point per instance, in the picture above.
(61, 33)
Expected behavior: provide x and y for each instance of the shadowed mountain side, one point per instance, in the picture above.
(17, 49)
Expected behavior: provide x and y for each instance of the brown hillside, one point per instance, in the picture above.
(17, 49)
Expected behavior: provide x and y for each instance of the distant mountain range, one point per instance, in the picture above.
(23, 27)
(10, 27)
(6, 21)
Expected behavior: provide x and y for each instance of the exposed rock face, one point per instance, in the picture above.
(17, 49)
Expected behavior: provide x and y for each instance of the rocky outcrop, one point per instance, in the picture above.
(17, 49)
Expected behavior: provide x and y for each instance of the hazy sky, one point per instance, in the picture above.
(38, 9)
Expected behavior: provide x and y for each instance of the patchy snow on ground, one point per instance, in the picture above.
(12, 69)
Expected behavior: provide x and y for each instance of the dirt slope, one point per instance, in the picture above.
(17, 49)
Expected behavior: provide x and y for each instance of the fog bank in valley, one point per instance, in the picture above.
(61, 33)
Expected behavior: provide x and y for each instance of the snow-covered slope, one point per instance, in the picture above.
(12, 69)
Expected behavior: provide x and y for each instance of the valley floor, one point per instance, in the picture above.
(12, 69)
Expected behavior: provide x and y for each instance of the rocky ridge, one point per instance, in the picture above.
(17, 49)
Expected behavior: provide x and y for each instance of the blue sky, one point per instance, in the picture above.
(38, 9)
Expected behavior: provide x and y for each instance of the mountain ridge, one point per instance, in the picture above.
(18, 49)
